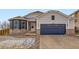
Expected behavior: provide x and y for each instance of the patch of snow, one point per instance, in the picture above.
(27, 42)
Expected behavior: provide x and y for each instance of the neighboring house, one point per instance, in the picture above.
(75, 16)
(49, 23)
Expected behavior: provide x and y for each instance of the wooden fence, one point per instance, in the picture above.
(5, 32)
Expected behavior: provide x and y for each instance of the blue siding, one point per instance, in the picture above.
(53, 29)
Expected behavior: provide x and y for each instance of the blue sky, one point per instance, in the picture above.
(5, 14)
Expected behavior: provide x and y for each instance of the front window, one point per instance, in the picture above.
(53, 17)
(22, 25)
(11, 24)
(16, 24)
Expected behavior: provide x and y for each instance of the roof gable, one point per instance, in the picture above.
(54, 11)
(17, 18)
(74, 12)
(33, 14)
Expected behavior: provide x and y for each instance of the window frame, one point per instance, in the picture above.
(53, 17)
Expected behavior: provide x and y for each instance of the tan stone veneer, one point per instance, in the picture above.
(70, 32)
(38, 31)
(17, 31)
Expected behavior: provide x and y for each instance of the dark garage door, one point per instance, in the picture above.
(52, 29)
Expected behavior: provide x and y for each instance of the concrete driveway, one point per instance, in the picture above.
(58, 42)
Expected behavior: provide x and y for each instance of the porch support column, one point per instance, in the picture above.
(27, 25)
(18, 24)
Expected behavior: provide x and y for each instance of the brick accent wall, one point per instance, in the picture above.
(38, 31)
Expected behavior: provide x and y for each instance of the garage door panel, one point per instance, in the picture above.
(52, 29)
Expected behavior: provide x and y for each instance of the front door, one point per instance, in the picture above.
(32, 26)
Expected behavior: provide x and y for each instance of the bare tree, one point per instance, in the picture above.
(0, 25)
(5, 25)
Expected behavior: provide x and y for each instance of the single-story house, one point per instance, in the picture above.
(52, 22)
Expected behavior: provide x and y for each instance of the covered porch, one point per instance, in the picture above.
(22, 25)
(31, 25)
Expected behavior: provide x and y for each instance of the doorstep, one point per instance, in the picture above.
(30, 34)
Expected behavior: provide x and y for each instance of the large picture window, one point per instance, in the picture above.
(12, 24)
(16, 24)
(23, 24)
